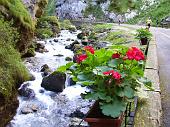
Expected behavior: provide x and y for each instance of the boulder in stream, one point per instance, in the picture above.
(45, 70)
(54, 82)
(26, 92)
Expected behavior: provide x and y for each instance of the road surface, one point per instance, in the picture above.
(163, 49)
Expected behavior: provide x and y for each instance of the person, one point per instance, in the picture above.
(148, 22)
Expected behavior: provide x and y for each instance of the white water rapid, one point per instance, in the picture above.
(53, 109)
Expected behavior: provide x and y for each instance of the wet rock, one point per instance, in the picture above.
(41, 91)
(29, 53)
(68, 39)
(26, 110)
(100, 45)
(71, 82)
(80, 35)
(40, 48)
(46, 70)
(85, 42)
(71, 46)
(55, 40)
(59, 55)
(26, 92)
(68, 59)
(77, 114)
(54, 82)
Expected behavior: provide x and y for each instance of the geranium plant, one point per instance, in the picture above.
(143, 33)
(112, 75)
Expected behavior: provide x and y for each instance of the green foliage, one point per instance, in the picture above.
(117, 38)
(47, 26)
(50, 8)
(67, 25)
(94, 10)
(102, 27)
(157, 12)
(143, 33)
(112, 75)
(44, 33)
(12, 71)
(18, 11)
(121, 6)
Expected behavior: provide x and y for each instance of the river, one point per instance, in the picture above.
(52, 109)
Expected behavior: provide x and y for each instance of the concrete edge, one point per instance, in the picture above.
(149, 110)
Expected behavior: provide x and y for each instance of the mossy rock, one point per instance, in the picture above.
(44, 33)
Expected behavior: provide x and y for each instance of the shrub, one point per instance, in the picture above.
(67, 25)
(47, 26)
(44, 33)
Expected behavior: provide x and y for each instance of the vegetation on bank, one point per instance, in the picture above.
(156, 12)
(67, 25)
(12, 71)
(16, 11)
(47, 26)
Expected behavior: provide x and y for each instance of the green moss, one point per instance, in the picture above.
(18, 12)
(12, 71)
(47, 26)
(67, 25)
(44, 33)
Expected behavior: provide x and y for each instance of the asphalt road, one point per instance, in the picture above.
(163, 50)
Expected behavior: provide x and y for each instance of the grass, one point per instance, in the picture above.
(12, 71)
(119, 38)
(102, 27)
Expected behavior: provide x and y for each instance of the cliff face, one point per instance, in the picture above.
(76, 9)
(35, 7)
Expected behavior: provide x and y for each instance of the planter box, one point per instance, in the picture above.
(144, 41)
(95, 118)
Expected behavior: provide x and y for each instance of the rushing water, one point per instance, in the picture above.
(53, 109)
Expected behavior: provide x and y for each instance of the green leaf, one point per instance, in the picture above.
(129, 92)
(62, 68)
(113, 63)
(65, 67)
(113, 109)
(146, 82)
(100, 69)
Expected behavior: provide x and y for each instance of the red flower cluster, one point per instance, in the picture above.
(116, 55)
(90, 49)
(135, 54)
(113, 73)
(80, 58)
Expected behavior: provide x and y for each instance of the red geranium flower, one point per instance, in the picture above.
(113, 73)
(116, 75)
(116, 55)
(80, 58)
(135, 54)
(90, 49)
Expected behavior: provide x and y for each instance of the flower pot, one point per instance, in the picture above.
(144, 41)
(95, 118)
